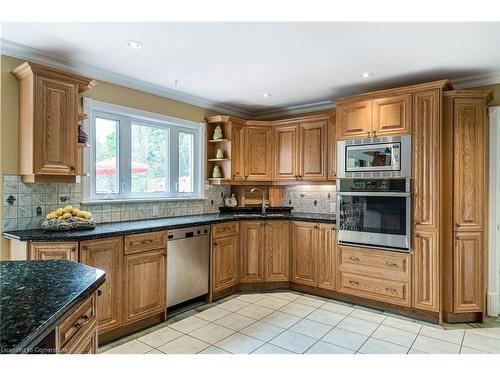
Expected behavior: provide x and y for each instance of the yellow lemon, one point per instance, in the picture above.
(67, 215)
(75, 211)
(51, 216)
(59, 212)
(68, 209)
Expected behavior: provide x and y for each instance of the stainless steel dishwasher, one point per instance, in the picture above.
(188, 264)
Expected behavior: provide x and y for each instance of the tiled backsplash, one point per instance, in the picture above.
(310, 198)
(22, 214)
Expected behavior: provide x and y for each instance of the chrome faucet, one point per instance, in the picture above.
(263, 201)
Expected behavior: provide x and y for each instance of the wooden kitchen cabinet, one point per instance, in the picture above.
(237, 152)
(286, 152)
(48, 121)
(354, 120)
(225, 254)
(53, 251)
(277, 252)
(468, 272)
(252, 251)
(304, 253)
(313, 155)
(392, 115)
(326, 256)
(426, 281)
(107, 255)
(258, 153)
(332, 146)
(145, 284)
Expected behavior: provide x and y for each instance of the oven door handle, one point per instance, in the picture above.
(374, 194)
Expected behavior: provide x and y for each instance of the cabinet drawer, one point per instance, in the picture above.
(77, 323)
(390, 291)
(86, 345)
(137, 243)
(225, 229)
(375, 263)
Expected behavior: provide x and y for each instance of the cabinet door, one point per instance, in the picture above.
(392, 115)
(145, 284)
(237, 153)
(54, 251)
(258, 153)
(277, 251)
(326, 256)
(426, 287)
(286, 152)
(426, 159)
(225, 252)
(468, 274)
(354, 120)
(252, 246)
(332, 146)
(469, 167)
(107, 255)
(313, 151)
(55, 127)
(304, 253)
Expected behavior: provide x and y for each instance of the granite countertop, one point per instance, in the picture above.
(36, 295)
(143, 226)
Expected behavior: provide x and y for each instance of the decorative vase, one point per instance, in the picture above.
(219, 154)
(218, 133)
(216, 173)
(230, 201)
(82, 136)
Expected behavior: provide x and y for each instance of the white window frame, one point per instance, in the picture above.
(93, 108)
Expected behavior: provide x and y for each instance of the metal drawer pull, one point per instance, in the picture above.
(354, 259)
(352, 282)
(147, 241)
(391, 290)
(391, 264)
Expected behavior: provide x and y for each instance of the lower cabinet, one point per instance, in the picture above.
(225, 254)
(326, 256)
(107, 255)
(145, 284)
(426, 286)
(277, 252)
(53, 251)
(252, 251)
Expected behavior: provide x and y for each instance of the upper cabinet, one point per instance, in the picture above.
(332, 145)
(48, 121)
(286, 152)
(312, 158)
(258, 153)
(388, 115)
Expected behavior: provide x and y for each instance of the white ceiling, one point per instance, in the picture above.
(229, 65)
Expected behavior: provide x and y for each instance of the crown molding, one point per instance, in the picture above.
(324, 105)
(21, 51)
(476, 81)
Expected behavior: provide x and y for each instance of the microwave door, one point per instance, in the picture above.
(373, 157)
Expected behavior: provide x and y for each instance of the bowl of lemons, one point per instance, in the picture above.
(68, 218)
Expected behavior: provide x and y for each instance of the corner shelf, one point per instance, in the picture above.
(223, 159)
(219, 140)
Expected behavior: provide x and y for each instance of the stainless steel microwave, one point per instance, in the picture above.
(383, 157)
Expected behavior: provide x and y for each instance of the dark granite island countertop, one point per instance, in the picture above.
(144, 226)
(35, 297)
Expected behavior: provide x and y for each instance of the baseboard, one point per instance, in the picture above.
(493, 304)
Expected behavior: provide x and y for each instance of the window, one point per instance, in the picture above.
(142, 155)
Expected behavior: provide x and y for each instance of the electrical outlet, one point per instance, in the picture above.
(156, 210)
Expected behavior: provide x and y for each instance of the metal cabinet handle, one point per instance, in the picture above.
(368, 133)
(391, 264)
(147, 241)
(99, 292)
(73, 249)
(354, 259)
(352, 282)
(164, 254)
(391, 290)
(84, 247)
(374, 133)
(216, 244)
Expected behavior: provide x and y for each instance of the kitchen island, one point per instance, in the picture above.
(47, 306)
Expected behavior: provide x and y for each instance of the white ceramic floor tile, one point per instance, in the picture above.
(311, 328)
(402, 324)
(294, 342)
(251, 298)
(189, 324)
(450, 335)
(285, 295)
(154, 351)
(212, 333)
(297, 309)
(434, 346)
(262, 331)
(368, 316)
(271, 349)
(131, 347)
(281, 319)
(394, 335)
(272, 302)
(255, 311)
(415, 351)
(494, 333)
(160, 337)
(360, 326)
(326, 317)
(212, 314)
(184, 345)
(337, 308)
(309, 301)
(235, 321)
(233, 305)
(481, 342)
(322, 347)
(213, 350)
(376, 346)
(239, 344)
(346, 339)
(467, 350)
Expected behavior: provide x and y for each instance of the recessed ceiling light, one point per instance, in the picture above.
(366, 75)
(265, 94)
(134, 44)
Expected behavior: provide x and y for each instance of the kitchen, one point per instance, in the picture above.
(359, 225)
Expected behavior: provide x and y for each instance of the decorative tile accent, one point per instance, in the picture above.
(310, 198)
